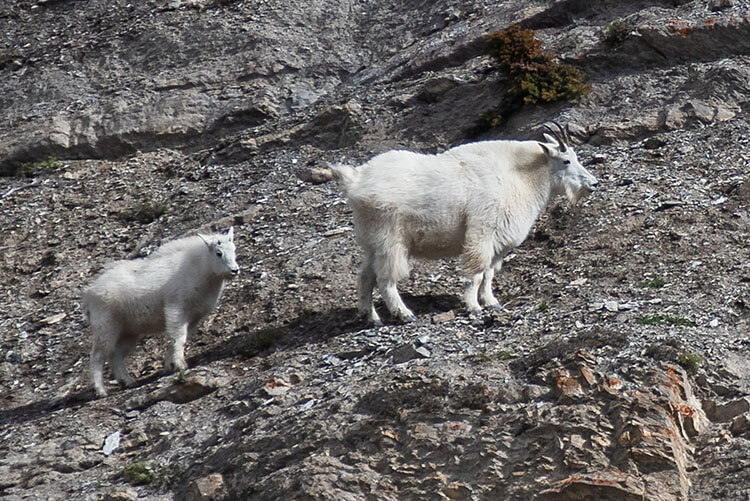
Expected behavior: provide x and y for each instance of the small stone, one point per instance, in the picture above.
(716, 5)
(740, 424)
(457, 492)
(669, 204)
(588, 376)
(441, 318)
(53, 319)
(726, 412)
(407, 352)
(276, 386)
(206, 488)
(653, 143)
(434, 90)
(127, 494)
(611, 306)
(577, 441)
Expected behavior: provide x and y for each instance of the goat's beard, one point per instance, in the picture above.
(575, 196)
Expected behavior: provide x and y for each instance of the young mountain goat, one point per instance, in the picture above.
(170, 291)
(477, 201)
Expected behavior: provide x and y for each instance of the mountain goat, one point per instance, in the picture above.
(169, 291)
(477, 201)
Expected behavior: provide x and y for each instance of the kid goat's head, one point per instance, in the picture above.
(569, 177)
(222, 259)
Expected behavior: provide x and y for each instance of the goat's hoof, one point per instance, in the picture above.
(377, 323)
(407, 319)
(495, 307)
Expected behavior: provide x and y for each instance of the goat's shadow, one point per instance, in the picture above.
(314, 327)
(247, 343)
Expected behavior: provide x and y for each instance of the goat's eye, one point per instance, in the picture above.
(219, 253)
(566, 162)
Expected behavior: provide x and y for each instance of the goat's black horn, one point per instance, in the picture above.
(559, 135)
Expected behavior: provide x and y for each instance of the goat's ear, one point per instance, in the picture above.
(546, 149)
(230, 233)
(550, 139)
(205, 240)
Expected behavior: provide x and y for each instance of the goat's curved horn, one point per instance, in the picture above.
(559, 135)
(563, 132)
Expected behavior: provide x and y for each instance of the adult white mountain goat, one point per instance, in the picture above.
(477, 201)
(169, 291)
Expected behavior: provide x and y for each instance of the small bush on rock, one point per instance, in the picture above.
(31, 169)
(616, 32)
(536, 76)
(138, 474)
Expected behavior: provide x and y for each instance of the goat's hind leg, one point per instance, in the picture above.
(124, 347)
(102, 347)
(99, 355)
(367, 280)
(392, 266)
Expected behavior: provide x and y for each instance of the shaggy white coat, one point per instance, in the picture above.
(169, 291)
(477, 201)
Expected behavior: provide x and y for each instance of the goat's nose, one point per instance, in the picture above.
(593, 184)
(235, 271)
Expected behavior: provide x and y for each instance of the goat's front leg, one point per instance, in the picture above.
(486, 295)
(470, 295)
(177, 332)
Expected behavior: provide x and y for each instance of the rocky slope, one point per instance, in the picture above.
(618, 369)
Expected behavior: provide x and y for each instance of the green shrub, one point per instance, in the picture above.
(616, 32)
(536, 76)
(30, 169)
(689, 361)
(664, 319)
(138, 474)
(180, 378)
(656, 283)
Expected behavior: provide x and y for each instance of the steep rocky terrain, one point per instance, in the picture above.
(619, 368)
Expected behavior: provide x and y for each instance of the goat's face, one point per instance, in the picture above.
(222, 254)
(569, 177)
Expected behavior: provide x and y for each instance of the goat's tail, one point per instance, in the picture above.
(344, 174)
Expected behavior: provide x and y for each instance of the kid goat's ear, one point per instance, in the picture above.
(230, 233)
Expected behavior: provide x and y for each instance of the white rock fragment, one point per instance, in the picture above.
(612, 306)
(111, 443)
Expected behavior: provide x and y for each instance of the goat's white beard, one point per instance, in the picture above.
(575, 196)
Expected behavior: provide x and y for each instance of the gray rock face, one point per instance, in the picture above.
(617, 369)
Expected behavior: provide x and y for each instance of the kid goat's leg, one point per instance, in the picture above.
(104, 336)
